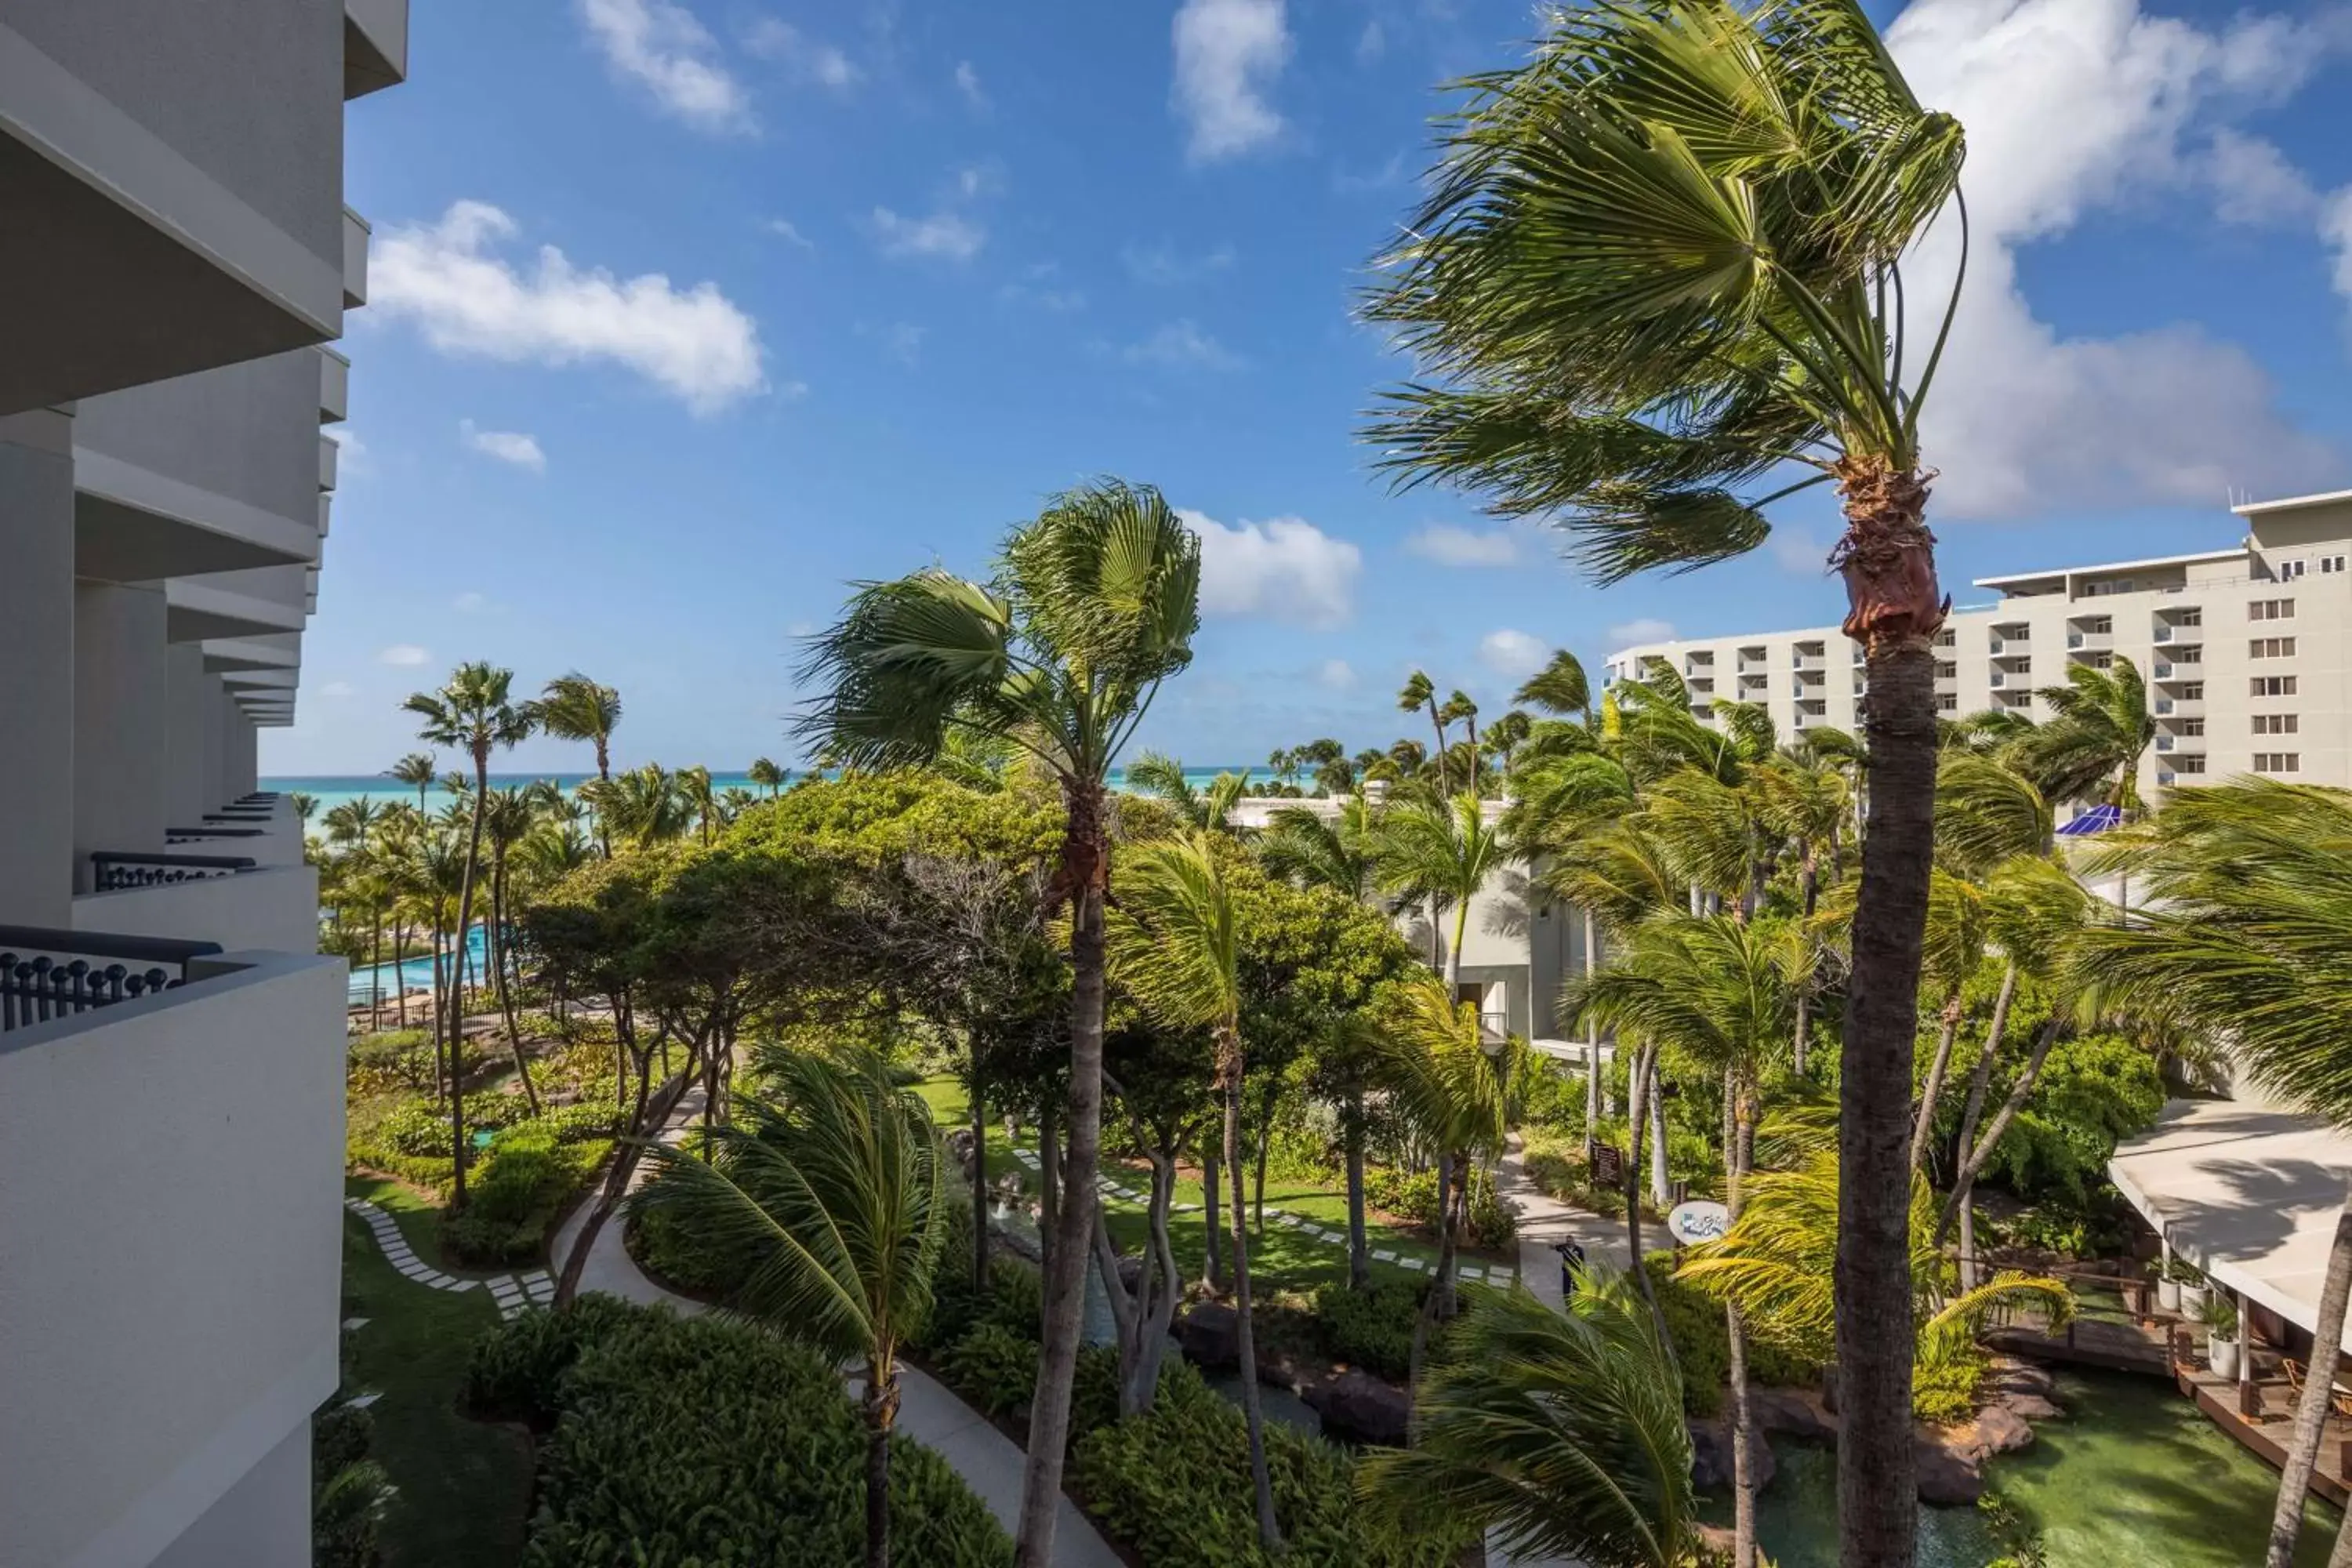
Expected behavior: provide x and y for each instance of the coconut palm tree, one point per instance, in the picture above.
(1561, 1433)
(2247, 937)
(1093, 606)
(415, 771)
(700, 800)
(1712, 991)
(1560, 687)
(349, 822)
(1312, 849)
(1156, 774)
(832, 1194)
(766, 775)
(507, 821)
(1660, 266)
(644, 805)
(1418, 696)
(1175, 946)
(1442, 854)
(474, 712)
(2090, 747)
(573, 708)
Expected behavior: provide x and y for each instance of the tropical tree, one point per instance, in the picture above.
(1560, 687)
(1418, 696)
(1443, 854)
(1093, 606)
(1156, 774)
(2247, 937)
(473, 712)
(766, 775)
(643, 806)
(832, 1194)
(507, 821)
(1318, 849)
(1175, 945)
(1658, 268)
(1563, 1432)
(700, 800)
(415, 771)
(2091, 746)
(348, 822)
(573, 708)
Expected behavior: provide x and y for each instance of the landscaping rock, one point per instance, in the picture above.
(1790, 1415)
(1357, 1406)
(1712, 1469)
(1130, 1273)
(1996, 1430)
(2023, 1389)
(959, 1147)
(1211, 1335)
(1947, 1478)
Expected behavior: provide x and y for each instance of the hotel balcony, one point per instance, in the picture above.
(2192, 744)
(2178, 707)
(356, 232)
(334, 385)
(2182, 664)
(376, 46)
(2090, 642)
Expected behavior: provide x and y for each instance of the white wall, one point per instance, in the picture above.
(121, 700)
(170, 1196)
(270, 907)
(37, 679)
(263, 1522)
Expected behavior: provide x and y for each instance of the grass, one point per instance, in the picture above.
(462, 1486)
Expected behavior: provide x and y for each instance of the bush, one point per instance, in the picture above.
(1696, 1324)
(417, 1128)
(577, 1123)
(1412, 1195)
(518, 1192)
(348, 1489)
(993, 1368)
(1372, 1329)
(673, 1442)
(1175, 1487)
(390, 1061)
(1943, 1388)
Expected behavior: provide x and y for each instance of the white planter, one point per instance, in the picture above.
(2223, 1355)
(2167, 1295)
(2192, 1300)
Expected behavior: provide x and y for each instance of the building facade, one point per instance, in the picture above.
(177, 259)
(2244, 650)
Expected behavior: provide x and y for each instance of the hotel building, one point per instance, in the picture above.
(2244, 650)
(176, 258)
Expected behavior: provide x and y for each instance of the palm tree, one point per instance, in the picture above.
(645, 806)
(1560, 687)
(1561, 1433)
(507, 821)
(472, 711)
(766, 775)
(1312, 848)
(573, 708)
(1712, 991)
(2247, 937)
(1093, 606)
(702, 802)
(303, 805)
(415, 771)
(1175, 946)
(1418, 696)
(2090, 747)
(348, 822)
(1443, 854)
(833, 1197)
(1156, 774)
(1659, 265)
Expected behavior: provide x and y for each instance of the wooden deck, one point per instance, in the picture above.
(2267, 1431)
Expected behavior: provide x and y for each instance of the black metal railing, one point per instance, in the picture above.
(239, 816)
(47, 975)
(194, 835)
(114, 871)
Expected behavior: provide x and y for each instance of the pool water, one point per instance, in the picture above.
(2132, 1475)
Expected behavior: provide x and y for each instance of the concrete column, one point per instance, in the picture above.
(37, 675)
(187, 782)
(243, 772)
(121, 734)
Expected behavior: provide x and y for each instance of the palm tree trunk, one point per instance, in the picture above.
(440, 1051)
(1049, 1188)
(979, 1184)
(1359, 1258)
(1269, 1530)
(400, 985)
(1888, 560)
(1087, 856)
(1454, 953)
(1440, 1294)
(881, 1414)
(1212, 1270)
(1591, 1039)
(375, 966)
(2319, 1390)
(499, 974)
(1980, 1081)
(1743, 1432)
(1662, 1190)
(1640, 1083)
(1933, 1090)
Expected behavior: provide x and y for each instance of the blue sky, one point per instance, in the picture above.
(685, 313)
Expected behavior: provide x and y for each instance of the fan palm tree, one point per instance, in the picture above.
(832, 1194)
(415, 771)
(1093, 606)
(1713, 993)
(474, 712)
(1175, 945)
(1443, 854)
(2247, 937)
(1660, 266)
(766, 775)
(2092, 745)
(1561, 1433)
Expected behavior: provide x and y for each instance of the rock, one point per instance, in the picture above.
(1357, 1406)
(2028, 1406)
(959, 1148)
(1946, 1477)
(1995, 1430)
(1130, 1273)
(1211, 1335)
(1712, 1469)
(1790, 1415)
(2010, 1375)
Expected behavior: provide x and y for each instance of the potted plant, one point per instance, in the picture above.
(2168, 1284)
(2222, 1346)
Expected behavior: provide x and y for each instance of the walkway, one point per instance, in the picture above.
(512, 1292)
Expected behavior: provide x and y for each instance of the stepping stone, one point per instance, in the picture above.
(1385, 1256)
(352, 1325)
(463, 1284)
(1415, 1264)
(1325, 1234)
(362, 1402)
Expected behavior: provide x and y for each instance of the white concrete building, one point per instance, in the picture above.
(2247, 650)
(175, 257)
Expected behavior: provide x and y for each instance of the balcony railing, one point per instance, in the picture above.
(113, 871)
(47, 975)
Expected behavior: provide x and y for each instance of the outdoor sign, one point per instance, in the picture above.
(1607, 1165)
(1701, 1219)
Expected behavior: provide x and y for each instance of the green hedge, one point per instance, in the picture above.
(1372, 1329)
(518, 1192)
(675, 1444)
(1694, 1321)
(1175, 1487)
(1413, 1195)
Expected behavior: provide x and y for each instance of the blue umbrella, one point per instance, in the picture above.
(2098, 819)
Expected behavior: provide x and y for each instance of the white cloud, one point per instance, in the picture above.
(1632, 634)
(1371, 43)
(1514, 655)
(339, 689)
(1284, 569)
(506, 446)
(1336, 675)
(1227, 53)
(355, 459)
(785, 230)
(1163, 265)
(2335, 228)
(694, 343)
(2254, 183)
(943, 233)
(806, 59)
(659, 46)
(1450, 546)
(470, 602)
(1180, 345)
(967, 82)
(2072, 106)
(404, 654)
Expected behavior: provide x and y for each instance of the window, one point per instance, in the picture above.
(2195, 618)
(2331, 563)
(2290, 569)
(2197, 727)
(2270, 647)
(2275, 686)
(2101, 660)
(1948, 639)
(1947, 704)
(2278, 762)
(2277, 723)
(2194, 690)
(2098, 625)
(2271, 610)
(2191, 764)
(1946, 670)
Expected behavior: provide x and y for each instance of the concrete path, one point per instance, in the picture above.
(512, 1292)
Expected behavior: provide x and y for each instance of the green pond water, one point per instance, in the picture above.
(2132, 1475)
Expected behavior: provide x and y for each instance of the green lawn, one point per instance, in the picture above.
(461, 1485)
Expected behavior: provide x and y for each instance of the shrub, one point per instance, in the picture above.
(415, 1129)
(1943, 1388)
(576, 1124)
(993, 1368)
(677, 1442)
(348, 1489)
(1694, 1321)
(518, 1192)
(1412, 1195)
(1175, 1487)
(1372, 1329)
(392, 1060)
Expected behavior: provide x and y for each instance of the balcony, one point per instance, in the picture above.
(356, 231)
(334, 386)
(376, 46)
(2090, 642)
(2178, 707)
(2193, 745)
(172, 1160)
